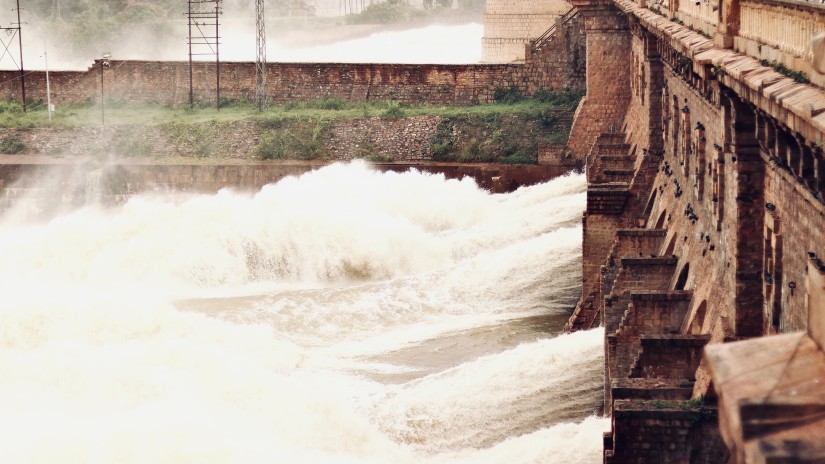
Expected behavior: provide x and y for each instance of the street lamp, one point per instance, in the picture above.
(103, 62)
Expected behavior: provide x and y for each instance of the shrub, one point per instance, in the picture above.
(11, 144)
(508, 96)
(298, 140)
(10, 107)
(393, 111)
(133, 145)
(559, 97)
(327, 103)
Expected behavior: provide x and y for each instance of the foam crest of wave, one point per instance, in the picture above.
(339, 223)
(480, 403)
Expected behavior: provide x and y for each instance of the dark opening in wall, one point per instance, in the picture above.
(670, 246)
(661, 221)
(698, 320)
(649, 207)
(683, 277)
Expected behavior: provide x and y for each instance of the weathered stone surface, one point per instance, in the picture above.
(771, 397)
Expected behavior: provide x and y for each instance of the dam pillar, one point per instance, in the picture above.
(749, 185)
(608, 76)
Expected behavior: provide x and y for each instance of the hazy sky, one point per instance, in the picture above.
(426, 44)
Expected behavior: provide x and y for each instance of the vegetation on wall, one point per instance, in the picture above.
(508, 132)
(512, 137)
(11, 144)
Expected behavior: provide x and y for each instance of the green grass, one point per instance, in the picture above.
(506, 132)
(89, 115)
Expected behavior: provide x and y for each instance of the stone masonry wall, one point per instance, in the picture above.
(608, 55)
(509, 26)
(406, 139)
(168, 82)
(561, 63)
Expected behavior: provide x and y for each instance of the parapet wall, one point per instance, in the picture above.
(168, 82)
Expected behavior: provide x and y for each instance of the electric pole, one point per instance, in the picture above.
(260, 56)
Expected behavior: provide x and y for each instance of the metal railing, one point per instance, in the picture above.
(548, 35)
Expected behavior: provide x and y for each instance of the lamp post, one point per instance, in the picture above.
(104, 61)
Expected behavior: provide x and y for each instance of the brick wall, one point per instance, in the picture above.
(168, 82)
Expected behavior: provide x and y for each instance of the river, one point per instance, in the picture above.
(344, 316)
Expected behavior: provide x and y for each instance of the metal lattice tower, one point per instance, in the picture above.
(203, 18)
(15, 30)
(260, 56)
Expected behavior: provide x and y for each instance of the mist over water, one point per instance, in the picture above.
(424, 44)
(344, 316)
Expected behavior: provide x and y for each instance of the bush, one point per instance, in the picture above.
(298, 140)
(327, 103)
(519, 158)
(559, 97)
(11, 107)
(11, 144)
(133, 145)
(508, 96)
(393, 111)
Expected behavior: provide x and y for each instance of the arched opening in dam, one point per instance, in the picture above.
(345, 315)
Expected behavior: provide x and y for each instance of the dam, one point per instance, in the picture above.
(693, 241)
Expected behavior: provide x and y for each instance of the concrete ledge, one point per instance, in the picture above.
(651, 389)
(771, 397)
(641, 232)
(658, 261)
(675, 295)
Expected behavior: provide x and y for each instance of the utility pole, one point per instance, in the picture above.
(104, 62)
(48, 84)
(20, 40)
(260, 56)
(200, 19)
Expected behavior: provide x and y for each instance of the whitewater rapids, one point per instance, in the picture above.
(344, 316)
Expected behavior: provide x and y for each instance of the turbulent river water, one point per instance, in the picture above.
(344, 316)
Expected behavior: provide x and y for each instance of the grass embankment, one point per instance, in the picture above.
(508, 131)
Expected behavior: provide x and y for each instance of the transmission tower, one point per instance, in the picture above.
(15, 29)
(202, 18)
(260, 56)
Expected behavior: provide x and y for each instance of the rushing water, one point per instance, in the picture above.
(346, 316)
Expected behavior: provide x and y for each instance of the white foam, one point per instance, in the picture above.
(336, 270)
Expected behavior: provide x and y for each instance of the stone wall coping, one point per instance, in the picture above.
(674, 295)
(655, 409)
(608, 188)
(772, 372)
(802, 4)
(778, 92)
(675, 339)
(641, 232)
(117, 63)
(638, 382)
(657, 261)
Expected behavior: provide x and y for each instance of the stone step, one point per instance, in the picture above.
(670, 356)
(601, 200)
(651, 389)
